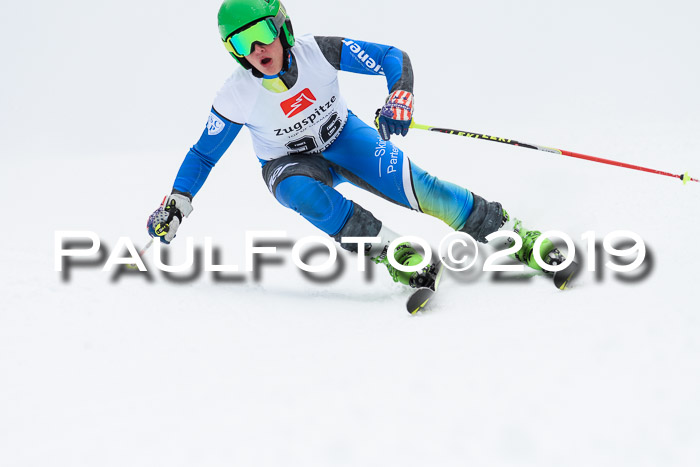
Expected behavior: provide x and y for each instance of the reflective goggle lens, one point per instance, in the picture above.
(242, 42)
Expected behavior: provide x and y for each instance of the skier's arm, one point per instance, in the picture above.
(377, 59)
(201, 158)
(370, 59)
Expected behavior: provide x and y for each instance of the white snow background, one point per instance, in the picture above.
(99, 103)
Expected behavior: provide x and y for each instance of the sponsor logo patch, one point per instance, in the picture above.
(215, 125)
(363, 57)
(298, 103)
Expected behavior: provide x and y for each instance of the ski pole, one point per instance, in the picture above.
(142, 252)
(685, 178)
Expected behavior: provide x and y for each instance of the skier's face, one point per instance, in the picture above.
(267, 59)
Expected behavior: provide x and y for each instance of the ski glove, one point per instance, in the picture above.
(165, 220)
(395, 117)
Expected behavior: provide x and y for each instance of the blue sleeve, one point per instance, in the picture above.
(376, 59)
(203, 156)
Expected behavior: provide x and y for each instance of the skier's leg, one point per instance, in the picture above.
(443, 200)
(485, 218)
(367, 161)
(364, 159)
(378, 166)
(306, 185)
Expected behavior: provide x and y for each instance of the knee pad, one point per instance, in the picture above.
(485, 218)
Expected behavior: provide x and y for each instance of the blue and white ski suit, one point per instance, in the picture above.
(308, 141)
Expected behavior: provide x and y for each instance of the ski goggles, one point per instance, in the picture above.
(264, 31)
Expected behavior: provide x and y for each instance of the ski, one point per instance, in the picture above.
(422, 295)
(563, 277)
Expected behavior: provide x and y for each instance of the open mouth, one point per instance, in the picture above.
(266, 61)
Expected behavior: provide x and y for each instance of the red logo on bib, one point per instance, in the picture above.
(298, 103)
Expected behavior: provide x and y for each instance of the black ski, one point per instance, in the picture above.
(563, 277)
(422, 295)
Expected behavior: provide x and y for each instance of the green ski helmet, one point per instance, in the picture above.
(244, 22)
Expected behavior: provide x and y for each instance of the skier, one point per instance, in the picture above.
(308, 141)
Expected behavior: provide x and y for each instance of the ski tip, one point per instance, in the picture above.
(564, 277)
(419, 299)
(422, 295)
(413, 312)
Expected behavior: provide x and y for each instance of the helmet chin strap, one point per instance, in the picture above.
(287, 60)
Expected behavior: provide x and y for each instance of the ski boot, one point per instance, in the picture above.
(548, 252)
(406, 255)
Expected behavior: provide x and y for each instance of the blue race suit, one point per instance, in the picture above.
(306, 182)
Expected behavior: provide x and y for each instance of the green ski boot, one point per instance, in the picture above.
(548, 252)
(406, 255)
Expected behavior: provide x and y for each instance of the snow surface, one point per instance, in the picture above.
(99, 104)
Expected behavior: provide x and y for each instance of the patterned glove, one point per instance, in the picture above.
(395, 117)
(165, 220)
